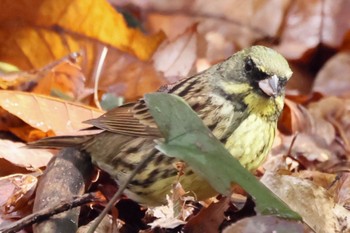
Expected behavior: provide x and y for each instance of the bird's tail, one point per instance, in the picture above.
(60, 142)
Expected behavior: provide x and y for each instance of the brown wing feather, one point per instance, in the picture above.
(131, 119)
(134, 119)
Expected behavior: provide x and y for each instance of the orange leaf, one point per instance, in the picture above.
(47, 113)
(65, 77)
(35, 33)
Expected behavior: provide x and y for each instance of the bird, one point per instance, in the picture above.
(239, 99)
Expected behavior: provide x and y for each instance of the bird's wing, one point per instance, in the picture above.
(132, 119)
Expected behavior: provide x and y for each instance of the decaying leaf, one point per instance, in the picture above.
(312, 202)
(208, 219)
(17, 154)
(176, 58)
(47, 113)
(167, 217)
(16, 190)
(265, 224)
(333, 78)
(342, 192)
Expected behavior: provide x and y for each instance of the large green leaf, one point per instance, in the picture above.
(188, 139)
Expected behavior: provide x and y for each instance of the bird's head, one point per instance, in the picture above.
(257, 76)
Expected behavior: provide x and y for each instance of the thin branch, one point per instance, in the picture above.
(48, 212)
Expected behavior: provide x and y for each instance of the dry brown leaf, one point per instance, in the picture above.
(342, 194)
(333, 78)
(310, 23)
(16, 191)
(166, 215)
(255, 15)
(312, 202)
(264, 224)
(307, 151)
(222, 24)
(312, 120)
(17, 154)
(208, 219)
(321, 179)
(176, 58)
(294, 118)
(47, 113)
(335, 22)
(336, 112)
(301, 32)
(173, 25)
(131, 79)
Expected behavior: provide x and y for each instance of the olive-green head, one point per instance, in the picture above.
(257, 68)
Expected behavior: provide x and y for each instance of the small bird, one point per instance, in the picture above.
(239, 100)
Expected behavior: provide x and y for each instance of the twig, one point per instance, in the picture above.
(116, 196)
(341, 132)
(97, 74)
(48, 212)
(289, 152)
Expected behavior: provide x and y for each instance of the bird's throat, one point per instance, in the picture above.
(266, 108)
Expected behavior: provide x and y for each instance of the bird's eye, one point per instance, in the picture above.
(248, 65)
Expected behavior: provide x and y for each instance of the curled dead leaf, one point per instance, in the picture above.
(333, 78)
(312, 202)
(264, 224)
(19, 155)
(18, 189)
(176, 58)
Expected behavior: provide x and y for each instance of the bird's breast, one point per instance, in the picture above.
(251, 141)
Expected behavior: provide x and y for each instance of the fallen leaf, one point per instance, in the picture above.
(32, 35)
(333, 112)
(342, 195)
(332, 79)
(18, 154)
(265, 224)
(303, 18)
(176, 58)
(166, 216)
(19, 190)
(335, 23)
(325, 180)
(47, 113)
(128, 77)
(65, 77)
(208, 219)
(312, 202)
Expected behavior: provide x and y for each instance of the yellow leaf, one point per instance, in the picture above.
(33, 33)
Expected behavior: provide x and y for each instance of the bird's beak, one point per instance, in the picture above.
(270, 86)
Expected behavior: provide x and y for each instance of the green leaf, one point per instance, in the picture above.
(110, 101)
(188, 139)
